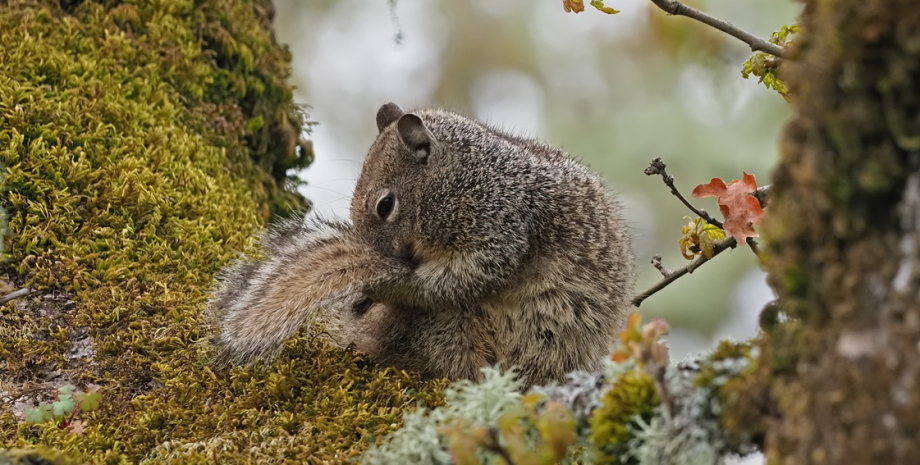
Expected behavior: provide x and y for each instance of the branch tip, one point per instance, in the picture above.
(656, 262)
(657, 166)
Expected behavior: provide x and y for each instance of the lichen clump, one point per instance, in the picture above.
(631, 397)
(739, 380)
(145, 143)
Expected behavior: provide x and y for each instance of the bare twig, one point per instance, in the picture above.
(15, 295)
(656, 262)
(717, 248)
(754, 246)
(658, 369)
(496, 448)
(673, 7)
(394, 18)
(658, 167)
(762, 194)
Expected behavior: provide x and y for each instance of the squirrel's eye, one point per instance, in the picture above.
(385, 205)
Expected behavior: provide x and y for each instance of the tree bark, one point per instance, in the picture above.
(844, 235)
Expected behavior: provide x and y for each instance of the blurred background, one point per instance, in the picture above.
(613, 90)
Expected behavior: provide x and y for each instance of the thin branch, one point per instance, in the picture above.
(754, 246)
(675, 8)
(718, 248)
(496, 448)
(658, 370)
(658, 167)
(762, 194)
(394, 18)
(656, 262)
(15, 295)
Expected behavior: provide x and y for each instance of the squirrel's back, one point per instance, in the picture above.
(572, 289)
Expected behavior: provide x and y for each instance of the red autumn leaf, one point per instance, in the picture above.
(741, 211)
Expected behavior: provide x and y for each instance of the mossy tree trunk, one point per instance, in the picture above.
(145, 143)
(845, 234)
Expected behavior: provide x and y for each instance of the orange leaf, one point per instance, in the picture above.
(740, 210)
(715, 188)
(576, 6)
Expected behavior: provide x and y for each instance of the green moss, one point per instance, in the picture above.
(3, 216)
(795, 279)
(631, 396)
(134, 172)
(39, 456)
(877, 175)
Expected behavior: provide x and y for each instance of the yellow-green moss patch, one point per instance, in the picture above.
(631, 395)
(145, 143)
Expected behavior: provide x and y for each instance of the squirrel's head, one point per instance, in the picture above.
(450, 198)
(393, 182)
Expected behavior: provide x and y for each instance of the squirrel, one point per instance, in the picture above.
(467, 247)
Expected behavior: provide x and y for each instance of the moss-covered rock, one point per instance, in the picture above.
(146, 142)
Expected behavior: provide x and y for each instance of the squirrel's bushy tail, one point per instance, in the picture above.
(314, 270)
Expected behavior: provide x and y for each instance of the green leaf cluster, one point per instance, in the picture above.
(699, 238)
(599, 4)
(65, 408)
(766, 67)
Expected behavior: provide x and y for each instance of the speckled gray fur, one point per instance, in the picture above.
(491, 249)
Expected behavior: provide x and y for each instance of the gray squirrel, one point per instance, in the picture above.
(467, 247)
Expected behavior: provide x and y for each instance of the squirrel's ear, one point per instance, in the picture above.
(415, 135)
(387, 114)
